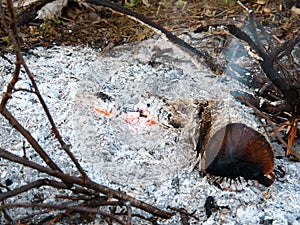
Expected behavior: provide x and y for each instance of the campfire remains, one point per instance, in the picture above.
(134, 124)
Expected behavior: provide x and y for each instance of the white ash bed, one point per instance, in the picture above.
(131, 118)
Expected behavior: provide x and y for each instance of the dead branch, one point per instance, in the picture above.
(39, 183)
(64, 207)
(288, 90)
(78, 185)
(6, 24)
(86, 183)
(275, 129)
(201, 56)
(193, 52)
(13, 33)
(283, 74)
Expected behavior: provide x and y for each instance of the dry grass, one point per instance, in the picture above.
(109, 28)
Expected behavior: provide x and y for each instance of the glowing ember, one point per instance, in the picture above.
(138, 119)
(100, 111)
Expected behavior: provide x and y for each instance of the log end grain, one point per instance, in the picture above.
(237, 150)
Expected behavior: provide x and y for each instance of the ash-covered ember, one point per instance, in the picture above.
(138, 139)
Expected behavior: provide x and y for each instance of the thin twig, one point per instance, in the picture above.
(87, 183)
(39, 183)
(183, 211)
(274, 128)
(202, 57)
(72, 208)
(7, 94)
(13, 33)
(14, 122)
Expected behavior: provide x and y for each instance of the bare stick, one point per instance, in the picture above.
(7, 94)
(13, 121)
(39, 183)
(87, 183)
(20, 61)
(202, 57)
(64, 207)
(274, 128)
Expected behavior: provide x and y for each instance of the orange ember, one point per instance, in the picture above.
(139, 119)
(102, 111)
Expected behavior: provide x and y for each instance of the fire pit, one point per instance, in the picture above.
(132, 118)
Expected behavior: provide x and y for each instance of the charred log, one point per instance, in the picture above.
(239, 151)
(233, 149)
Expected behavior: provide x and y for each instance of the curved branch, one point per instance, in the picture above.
(39, 183)
(291, 93)
(193, 52)
(14, 122)
(13, 33)
(79, 209)
(88, 184)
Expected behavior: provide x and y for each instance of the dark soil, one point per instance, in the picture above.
(99, 27)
